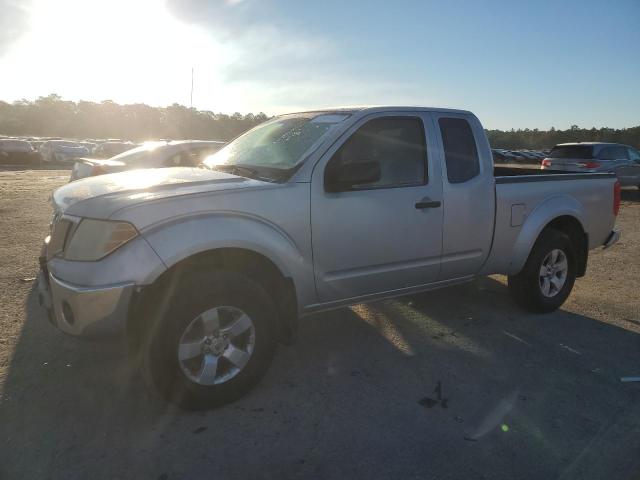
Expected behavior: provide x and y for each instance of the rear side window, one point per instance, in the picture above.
(572, 151)
(461, 154)
(612, 153)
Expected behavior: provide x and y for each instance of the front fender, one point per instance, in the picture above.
(536, 221)
(184, 237)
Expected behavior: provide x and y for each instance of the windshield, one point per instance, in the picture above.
(571, 151)
(278, 144)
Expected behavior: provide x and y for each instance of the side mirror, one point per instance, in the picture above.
(341, 177)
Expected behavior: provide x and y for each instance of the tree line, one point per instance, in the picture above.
(540, 139)
(52, 116)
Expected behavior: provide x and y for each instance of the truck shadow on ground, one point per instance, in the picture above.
(453, 383)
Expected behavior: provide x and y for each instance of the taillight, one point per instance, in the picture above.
(616, 198)
(546, 162)
(590, 164)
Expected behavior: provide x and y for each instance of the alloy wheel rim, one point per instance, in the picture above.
(553, 273)
(216, 345)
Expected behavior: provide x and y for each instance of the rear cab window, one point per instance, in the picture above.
(460, 151)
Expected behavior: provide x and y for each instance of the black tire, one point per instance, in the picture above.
(188, 296)
(525, 287)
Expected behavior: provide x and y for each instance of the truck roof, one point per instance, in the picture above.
(384, 108)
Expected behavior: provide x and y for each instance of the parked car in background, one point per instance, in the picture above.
(61, 151)
(529, 156)
(17, 151)
(187, 153)
(206, 269)
(539, 156)
(90, 146)
(510, 156)
(501, 156)
(622, 160)
(518, 157)
(110, 148)
(36, 144)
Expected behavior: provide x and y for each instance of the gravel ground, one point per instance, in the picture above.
(457, 383)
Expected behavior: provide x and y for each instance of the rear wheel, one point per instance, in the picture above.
(214, 341)
(548, 276)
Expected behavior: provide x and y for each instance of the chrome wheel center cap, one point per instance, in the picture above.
(218, 346)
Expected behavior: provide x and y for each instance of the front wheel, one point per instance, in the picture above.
(548, 276)
(214, 340)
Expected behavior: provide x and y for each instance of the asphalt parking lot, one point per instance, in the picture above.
(457, 383)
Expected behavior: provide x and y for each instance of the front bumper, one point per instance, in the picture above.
(612, 239)
(85, 311)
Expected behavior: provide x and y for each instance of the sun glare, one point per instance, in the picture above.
(125, 51)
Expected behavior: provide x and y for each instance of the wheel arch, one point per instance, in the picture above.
(178, 239)
(255, 265)
(563, 213)
(572, 227)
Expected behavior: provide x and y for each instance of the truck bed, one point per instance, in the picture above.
(523, 175)
(521, 210)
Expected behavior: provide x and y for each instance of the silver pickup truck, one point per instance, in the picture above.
(206, 269)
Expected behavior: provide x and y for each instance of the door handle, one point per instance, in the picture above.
(426, 203)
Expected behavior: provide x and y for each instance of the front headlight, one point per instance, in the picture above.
(95, 239)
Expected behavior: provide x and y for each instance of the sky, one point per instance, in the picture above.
(515, 64)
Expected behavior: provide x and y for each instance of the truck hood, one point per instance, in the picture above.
(100, 196)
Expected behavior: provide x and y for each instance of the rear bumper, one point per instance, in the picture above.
(612, 239)
(85, 311)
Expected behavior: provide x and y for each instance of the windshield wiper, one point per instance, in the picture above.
(241, 171)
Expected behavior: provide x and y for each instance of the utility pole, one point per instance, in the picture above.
(191, 103)
(191, 108)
